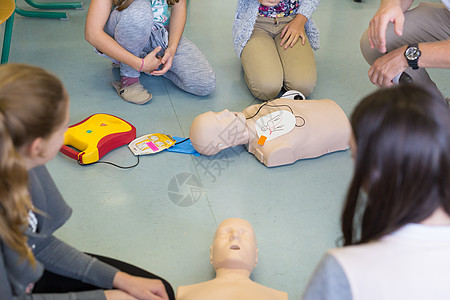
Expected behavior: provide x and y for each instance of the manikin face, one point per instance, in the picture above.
(212, 132)
(234, 246)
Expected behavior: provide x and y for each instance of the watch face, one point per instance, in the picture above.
(412, 53)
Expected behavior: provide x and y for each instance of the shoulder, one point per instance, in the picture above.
(356, 254)
(328, 281)
(47, 198)
(42, 187)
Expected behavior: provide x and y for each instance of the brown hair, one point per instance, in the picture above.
(32, 105)
(123, 4)
(402, 162)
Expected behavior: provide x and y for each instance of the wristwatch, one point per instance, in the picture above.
(412, 54)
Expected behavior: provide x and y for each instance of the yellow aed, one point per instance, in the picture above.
(95, 136)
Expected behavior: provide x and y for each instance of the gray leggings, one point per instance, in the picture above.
(132, 29)
(426, 23)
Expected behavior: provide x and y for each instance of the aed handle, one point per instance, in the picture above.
(71, 152)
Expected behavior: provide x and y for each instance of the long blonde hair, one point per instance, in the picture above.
(122, 4)
(32, 105)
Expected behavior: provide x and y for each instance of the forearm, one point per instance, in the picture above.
(177, 23)
(88, 295)
(307, 8)
(62, 259)
(435, 55)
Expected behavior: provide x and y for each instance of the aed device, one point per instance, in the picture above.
(95, 136)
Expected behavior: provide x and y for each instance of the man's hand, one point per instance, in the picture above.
(293, 31)
(389, 12)
(385, 68)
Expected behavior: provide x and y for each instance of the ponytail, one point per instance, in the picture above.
(402, 162)
(15, 200)
(33, 103)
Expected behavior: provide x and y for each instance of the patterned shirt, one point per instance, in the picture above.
(161, 12)
(32, 222)
(284, 8)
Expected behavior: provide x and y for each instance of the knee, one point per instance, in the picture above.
(208, 84)
(304, 84)
(204, 84)
(369, 54)
(305, 87)
(266, 92)
(143, 6)
(264, 88)
(138, 16)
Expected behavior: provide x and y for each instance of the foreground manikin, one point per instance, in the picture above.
(278, 132)
(234, 256)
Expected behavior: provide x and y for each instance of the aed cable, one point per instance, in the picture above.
(111, 163)
(279, 105)
(123, 167)
(181, 141)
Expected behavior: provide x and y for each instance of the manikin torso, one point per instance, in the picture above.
(321, 127)
(227, 287)
(317, 127)
(234, 254)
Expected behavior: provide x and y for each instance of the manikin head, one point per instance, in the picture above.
(212, 132)
(234, 246)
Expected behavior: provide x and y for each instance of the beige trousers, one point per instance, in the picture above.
(268, 67)
(429, 22)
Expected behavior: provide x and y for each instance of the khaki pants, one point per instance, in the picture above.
(268, 67)
(428, 22)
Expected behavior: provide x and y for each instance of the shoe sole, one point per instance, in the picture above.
(118, 86)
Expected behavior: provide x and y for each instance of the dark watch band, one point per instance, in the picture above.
(412, 54)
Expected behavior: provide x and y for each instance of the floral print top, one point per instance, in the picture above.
(283, 9)
(161, 12)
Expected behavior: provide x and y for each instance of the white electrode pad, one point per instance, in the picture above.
(275, 124)
(151, 143)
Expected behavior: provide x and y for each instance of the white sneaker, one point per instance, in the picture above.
(293, 94)
(134, 93)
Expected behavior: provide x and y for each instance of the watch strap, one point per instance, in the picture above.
(413, 63)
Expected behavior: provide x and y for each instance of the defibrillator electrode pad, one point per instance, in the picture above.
(151, 143)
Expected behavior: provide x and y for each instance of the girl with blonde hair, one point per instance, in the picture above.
(34, 115)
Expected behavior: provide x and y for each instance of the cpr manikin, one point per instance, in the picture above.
(277, 132)
(234, 256)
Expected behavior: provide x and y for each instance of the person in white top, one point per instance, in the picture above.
(403, 40)
(396, 218)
